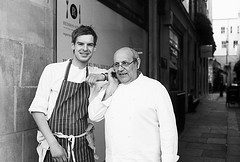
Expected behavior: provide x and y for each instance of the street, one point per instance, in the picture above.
(212, 133)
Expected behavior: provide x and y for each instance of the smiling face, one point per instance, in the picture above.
(128, 65)
(83, 48)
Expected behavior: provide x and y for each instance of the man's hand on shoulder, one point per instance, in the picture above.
(93, 78)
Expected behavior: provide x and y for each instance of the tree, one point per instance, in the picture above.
(204, 30)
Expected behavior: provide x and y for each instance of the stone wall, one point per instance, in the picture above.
(26, 47)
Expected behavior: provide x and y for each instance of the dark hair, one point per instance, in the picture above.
(84, 30)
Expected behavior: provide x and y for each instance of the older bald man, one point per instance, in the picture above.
(140, 124)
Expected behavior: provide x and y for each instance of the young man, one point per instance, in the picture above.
(60, 104)
(139, 119)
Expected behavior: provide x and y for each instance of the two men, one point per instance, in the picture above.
(60, 106)
(139, 119)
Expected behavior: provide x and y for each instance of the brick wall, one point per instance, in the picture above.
(26, 47)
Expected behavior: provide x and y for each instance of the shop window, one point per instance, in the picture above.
(175, 62)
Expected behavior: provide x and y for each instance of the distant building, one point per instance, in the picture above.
(227, 39)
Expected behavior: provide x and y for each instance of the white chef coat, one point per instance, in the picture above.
(48, 89)
(140, 123)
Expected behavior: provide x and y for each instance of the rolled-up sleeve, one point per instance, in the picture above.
(40, 101)
(168, 128)
(97, 108)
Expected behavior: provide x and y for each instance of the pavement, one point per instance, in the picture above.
(212, 133)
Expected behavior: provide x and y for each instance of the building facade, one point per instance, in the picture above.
(169, 41)
(227, 38)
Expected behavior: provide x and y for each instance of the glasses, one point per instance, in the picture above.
(123, 64)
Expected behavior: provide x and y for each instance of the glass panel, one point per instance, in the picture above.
(174, 62)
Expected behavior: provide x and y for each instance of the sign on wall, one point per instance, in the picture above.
(113, 30)
(68, 19)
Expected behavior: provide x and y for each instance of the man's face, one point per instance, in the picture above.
(83, 48)
(127, 69)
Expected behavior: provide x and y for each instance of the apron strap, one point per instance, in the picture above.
(67, 70)
(86, 71)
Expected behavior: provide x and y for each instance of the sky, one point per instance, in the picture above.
(225, 9)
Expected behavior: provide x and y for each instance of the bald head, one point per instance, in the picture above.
(127, 51)
(126, 64)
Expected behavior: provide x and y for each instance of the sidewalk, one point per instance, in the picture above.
(212, 133)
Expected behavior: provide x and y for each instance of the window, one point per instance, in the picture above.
(224, 44)
(238, 29)
(175, 62)
(231, 29)
(235, 43)
(222, 30)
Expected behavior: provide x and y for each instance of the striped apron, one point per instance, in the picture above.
(69, 117)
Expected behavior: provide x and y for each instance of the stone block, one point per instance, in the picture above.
(11, 148)
(182, 145)
(213, 135)
(217, 140)
(206, 159)
(190, 159)
(194, 139)
(233, 133)
(192, 133)
(25, 21)
(24, 120)
(218, 130)
(191, 152)
(214, 154)
(3, 18)
(219, 147)
(233, 158)
(233, 140)
(6, 108)
(10, 61)
(35, 59)
(233, 150)
(45, 3)
(29, 146)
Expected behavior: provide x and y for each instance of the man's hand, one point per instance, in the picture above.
(58, 152)
(112, 84)
(112, 77)
(93, 78)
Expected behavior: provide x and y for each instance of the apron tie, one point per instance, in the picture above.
(71, 139)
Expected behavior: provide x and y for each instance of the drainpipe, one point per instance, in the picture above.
(153, 39)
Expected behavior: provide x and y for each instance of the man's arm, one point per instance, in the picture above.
(98, 106)
(56, 149)
(39, 110)
(168, 128)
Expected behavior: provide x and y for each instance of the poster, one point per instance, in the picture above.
(68, 19)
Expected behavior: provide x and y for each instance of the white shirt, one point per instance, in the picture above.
(50, 83)
(48, 89)
(140, 123)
